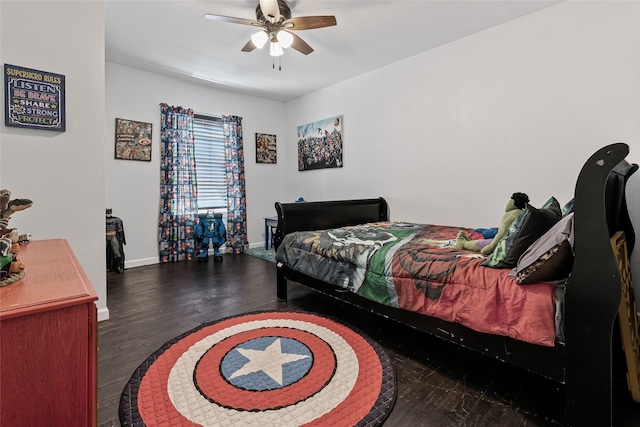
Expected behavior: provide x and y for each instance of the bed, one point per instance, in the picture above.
(559, 329)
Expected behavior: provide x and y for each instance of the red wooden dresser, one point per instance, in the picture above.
(48, 341)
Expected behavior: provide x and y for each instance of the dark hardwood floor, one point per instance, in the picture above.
(439, 384)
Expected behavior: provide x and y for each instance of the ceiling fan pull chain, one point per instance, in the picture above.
(273, 62)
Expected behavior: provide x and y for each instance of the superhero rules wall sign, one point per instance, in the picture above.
(34, 99)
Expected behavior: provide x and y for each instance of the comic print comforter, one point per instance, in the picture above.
(417, 267)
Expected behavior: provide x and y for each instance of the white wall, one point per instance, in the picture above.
(133, 187)
(448, 135)
(62, 172)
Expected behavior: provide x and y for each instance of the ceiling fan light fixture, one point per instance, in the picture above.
(285, 38)
(277, 27)
(259, 39)
(275, 49)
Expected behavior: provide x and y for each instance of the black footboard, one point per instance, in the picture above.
(595, 286)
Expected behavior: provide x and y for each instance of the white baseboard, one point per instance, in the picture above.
(141, 262)
(256, 245)
(149, 261)
(103, 314)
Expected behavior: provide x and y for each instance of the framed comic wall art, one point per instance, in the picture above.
(133, 140)
(320, 144)
(266, 149)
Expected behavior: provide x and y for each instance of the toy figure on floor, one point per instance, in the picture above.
(115, 243)
(514, 208)
(210, 229)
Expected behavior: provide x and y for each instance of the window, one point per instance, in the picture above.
(210, 162)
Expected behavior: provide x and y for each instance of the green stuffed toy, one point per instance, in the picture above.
(514, 208)
(9, 207)
(11, 268)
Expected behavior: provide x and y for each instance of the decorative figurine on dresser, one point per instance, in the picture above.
(11, 268)
(210, 229)
(115, 242)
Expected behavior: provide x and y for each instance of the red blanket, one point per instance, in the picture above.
(418, 268)
(444, 282)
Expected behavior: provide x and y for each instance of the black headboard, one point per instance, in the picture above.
(298, 216)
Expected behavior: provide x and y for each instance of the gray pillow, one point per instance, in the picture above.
(549, 258)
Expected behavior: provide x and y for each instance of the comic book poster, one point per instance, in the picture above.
(133, 140)
(320, 144)
(266, 150)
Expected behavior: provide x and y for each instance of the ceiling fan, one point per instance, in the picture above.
(274, 19)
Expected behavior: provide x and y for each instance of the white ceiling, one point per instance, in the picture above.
(173, 38)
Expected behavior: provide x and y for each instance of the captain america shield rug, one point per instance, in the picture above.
(273, 368)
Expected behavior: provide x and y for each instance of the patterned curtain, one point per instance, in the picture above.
(237, 240)
(178, 189)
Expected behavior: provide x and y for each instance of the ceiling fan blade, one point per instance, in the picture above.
(309, 22)
(232, 20)
(301, 45)
(270, 8)
(249, 46)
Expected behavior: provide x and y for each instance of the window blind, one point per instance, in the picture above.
(210, 162)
